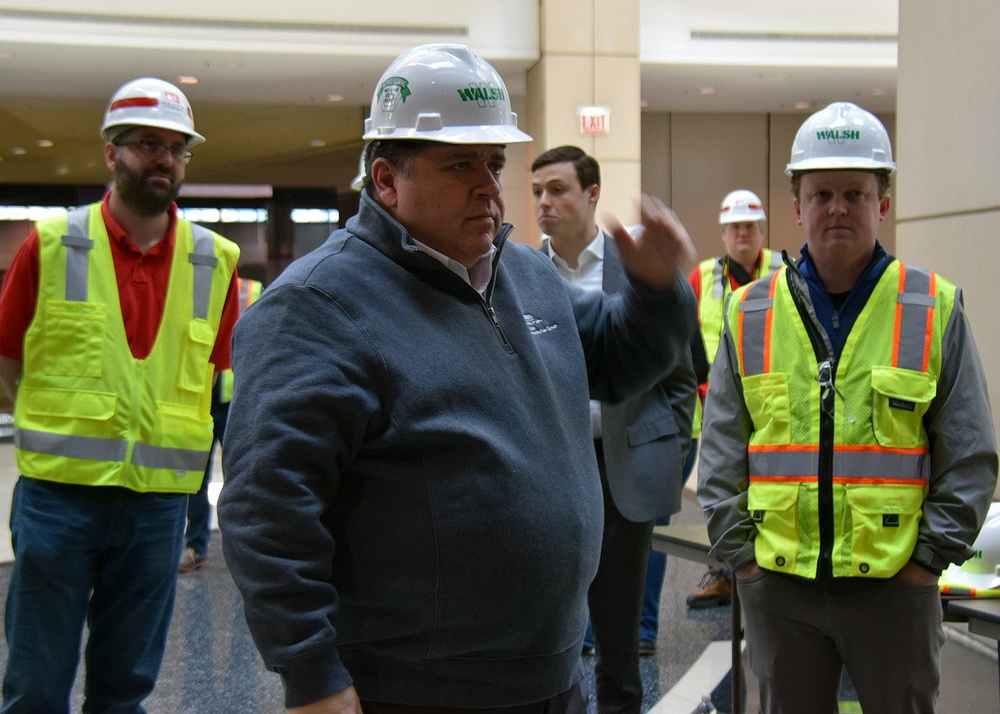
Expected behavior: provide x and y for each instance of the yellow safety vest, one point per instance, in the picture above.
(89, 413)
(249, 292)
(715, 287)
(855, 490)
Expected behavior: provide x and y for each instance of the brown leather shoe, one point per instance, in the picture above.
(715, 590)
(191, 561)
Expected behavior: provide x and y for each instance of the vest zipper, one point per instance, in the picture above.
(826, 374)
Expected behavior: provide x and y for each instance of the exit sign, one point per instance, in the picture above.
(595, 119)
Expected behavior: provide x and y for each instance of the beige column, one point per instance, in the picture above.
(590, 57)
(948, 155)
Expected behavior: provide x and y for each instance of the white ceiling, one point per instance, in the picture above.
(263, 98)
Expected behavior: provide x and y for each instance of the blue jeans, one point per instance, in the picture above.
(199, 511)
(656, 568)
(103, 555)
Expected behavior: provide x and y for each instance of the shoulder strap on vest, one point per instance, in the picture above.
(915, 305)
(204, 261)
(78, 246)
(755, 321)
(718, 286)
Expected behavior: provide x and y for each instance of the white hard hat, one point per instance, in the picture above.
(149, 102)
(442, 92)
(982, 570)
(358, 182)
(841, 136)
(741, 206)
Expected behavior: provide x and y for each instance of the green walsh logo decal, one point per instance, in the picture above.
(838, 135)
(485, 95)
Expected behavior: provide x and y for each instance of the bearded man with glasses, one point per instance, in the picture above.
(116, 318)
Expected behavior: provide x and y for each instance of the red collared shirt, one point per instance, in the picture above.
(142, 289)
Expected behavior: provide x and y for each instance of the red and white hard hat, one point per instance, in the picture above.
(148, 101)
(982, 570)
(442, 92)
(741, 206)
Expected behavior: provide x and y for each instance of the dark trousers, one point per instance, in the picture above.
(615, 600)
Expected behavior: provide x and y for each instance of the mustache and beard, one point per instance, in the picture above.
(145, 198)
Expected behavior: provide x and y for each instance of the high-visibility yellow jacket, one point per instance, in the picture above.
(838, 456)
(249, 292)
(88, 412)
(715, 288)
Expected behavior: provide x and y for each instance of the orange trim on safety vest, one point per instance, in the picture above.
(771, 290)
(930, 322)
(917, 450)
(898, 322)
(841, 480)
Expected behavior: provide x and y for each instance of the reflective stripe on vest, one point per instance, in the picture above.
(914, 318)
(860, 464)
(74, 447)
(204, 261)
(78, 247)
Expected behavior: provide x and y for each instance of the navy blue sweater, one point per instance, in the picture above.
(412, 501)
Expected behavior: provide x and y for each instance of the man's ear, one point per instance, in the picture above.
(883, 206)
(384, 176)
(111, 155)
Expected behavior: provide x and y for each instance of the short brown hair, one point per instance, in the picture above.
(884, 182)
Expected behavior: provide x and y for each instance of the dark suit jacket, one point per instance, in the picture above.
(647, 437)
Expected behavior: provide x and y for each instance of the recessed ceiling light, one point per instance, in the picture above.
(18, 150)
(803, 105)
(707, 90)
(44, 143)
(643, 104)
(187, 79)
(334, 97)
(879, 92)
(317, 143)
(5, 54)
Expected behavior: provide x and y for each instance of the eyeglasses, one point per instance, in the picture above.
(155, 149)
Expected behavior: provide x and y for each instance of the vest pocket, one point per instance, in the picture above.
(73, 404)
(774, 508)
(66, 412)
(901, 397)
(180, 424)
(74, 335)
(883, 526)
(766, 397)
(194, 374)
